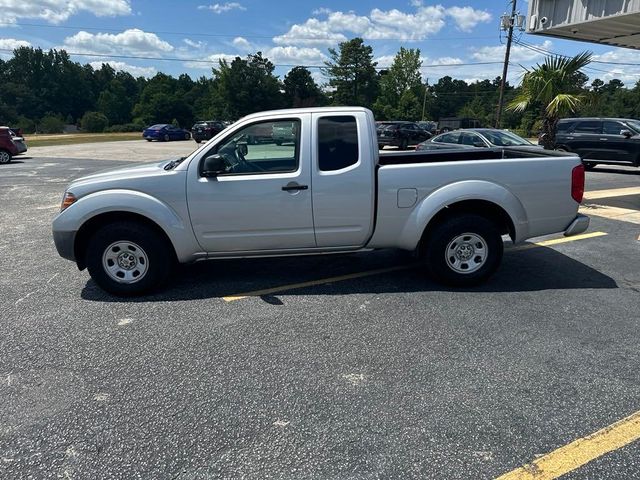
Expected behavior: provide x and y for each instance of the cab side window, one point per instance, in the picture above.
(613, 128)
(253, 149)
(337, 143)
(589, 126)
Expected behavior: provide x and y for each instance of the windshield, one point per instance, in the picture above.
(505, 139)
(635, 124)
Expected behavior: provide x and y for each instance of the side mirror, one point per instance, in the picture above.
(478, 143)
(626, 133)
(213, 165)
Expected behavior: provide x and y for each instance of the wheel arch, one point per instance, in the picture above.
(90, 226)
(470, 196)
(483, 208)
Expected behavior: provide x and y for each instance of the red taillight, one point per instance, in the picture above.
(577, 183)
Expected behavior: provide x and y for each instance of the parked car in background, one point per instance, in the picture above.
(10, 145)
(480, 137)
(429, 126)
(400, 134)
(164, 132)
(613, 141)
(447, 124)
(283, 132)
(206, 130)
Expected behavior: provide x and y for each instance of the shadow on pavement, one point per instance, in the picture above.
(528, 270)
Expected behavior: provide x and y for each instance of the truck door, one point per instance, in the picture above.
(263, 200)
(343, 179)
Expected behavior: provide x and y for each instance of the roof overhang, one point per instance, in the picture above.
(621, 30)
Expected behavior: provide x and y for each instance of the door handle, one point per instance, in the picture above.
(290, 187)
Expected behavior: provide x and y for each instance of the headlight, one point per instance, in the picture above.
(68, 200)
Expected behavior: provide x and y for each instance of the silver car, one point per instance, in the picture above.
(479, 137)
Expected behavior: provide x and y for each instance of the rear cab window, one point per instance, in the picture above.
(337, 143)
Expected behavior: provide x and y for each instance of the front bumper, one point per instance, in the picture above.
(65, 244)
(577, 226)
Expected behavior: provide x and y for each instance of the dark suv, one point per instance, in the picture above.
(401, 134)
(614, 141)
(203, 131)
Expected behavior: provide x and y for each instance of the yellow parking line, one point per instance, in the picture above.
(556, 241)
(293, 286)
(579, 452)
(369, 273)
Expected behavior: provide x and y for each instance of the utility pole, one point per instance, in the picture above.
(424, 100)
(507, 22)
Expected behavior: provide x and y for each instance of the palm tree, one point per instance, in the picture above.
(554, 85)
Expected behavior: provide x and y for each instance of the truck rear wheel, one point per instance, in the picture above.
(464, 250)
(128, 258)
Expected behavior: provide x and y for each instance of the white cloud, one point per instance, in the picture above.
(219, 8)
(193, 43)
(125, 67)
(12, 43)
(312, 32)
(55, 11)
(133, 41)
(380, 24)
(242, 44)
(518, 53)
(296, 56)
(322, 11)
(211, 61)
(629, 74)
(466, 18)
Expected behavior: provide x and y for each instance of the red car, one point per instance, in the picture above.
(10, 145)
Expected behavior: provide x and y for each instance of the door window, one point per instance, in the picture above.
(589, 127)
(253, 150)
(337, 143)
(448, 138)
(613, 128)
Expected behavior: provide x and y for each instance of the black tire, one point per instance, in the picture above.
(380, 147)
(589, 165)
(441, 239)
(148, 140)
(166, 138)
(404, 143)
(187, 136)
(279, 142)
(5, 156)
(198, 141)
(158, 254)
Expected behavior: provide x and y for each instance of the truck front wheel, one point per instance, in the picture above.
(464, 250)
(128, 258)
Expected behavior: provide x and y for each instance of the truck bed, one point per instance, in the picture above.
(464, 154)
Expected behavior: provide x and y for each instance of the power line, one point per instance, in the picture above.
(212, 35)
(196, 60)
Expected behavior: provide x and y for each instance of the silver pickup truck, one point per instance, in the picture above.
(324, 189)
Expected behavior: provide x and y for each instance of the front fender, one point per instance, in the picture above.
(453, 193)
(120, 200)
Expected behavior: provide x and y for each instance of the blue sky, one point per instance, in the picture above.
(191, 35)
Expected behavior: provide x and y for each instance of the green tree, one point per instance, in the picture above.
(245, 86)
(556, 86)
(352, 74)
(301, 90)
(401, 87)
(94, 122)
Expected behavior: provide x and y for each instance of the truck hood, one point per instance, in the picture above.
(133, 170)
(131, 176)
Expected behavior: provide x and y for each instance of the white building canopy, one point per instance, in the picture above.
(610, 22)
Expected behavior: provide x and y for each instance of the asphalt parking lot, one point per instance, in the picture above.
(345, 366)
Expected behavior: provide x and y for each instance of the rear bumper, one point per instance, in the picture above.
(577, 226)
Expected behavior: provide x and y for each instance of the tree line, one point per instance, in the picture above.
(44, 90)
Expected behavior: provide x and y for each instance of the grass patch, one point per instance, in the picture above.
(77, 138)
